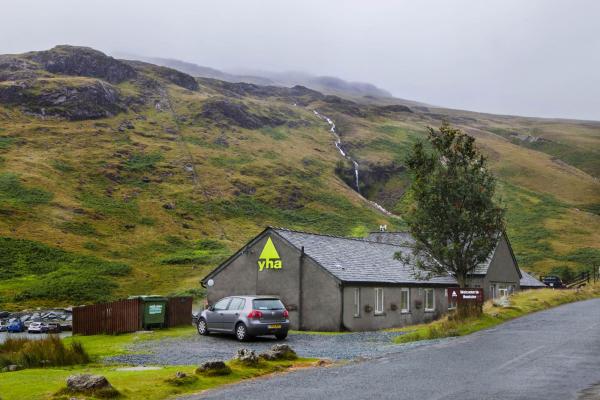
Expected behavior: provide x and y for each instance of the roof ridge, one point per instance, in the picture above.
(366, 240)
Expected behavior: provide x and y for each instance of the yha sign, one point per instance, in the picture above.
(470, 295)
(269, 257)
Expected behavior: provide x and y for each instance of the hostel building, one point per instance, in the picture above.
(331, 283)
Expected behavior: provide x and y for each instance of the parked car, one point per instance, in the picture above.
(245, 317)
(53, 327)
(16, 326)
(3, 326)
(37, 327)
(553, 282)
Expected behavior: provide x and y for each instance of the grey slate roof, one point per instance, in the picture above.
(529, 281)
(406, 239)
(358, 260)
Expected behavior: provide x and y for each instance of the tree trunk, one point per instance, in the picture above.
(466, 309)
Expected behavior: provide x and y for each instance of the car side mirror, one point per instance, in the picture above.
(211, 308)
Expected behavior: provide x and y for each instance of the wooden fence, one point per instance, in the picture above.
(115, 317)
(179, 311)
(124, 316)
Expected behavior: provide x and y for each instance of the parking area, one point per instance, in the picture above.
(192, 350)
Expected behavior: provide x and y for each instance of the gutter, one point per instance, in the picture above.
(300, 289)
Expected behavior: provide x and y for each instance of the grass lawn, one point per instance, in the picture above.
(37, 384)
(111, 345)
(522, 303)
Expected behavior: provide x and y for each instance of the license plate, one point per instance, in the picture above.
(277, 326)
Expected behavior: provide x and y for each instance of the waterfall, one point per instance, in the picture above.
(338, 145)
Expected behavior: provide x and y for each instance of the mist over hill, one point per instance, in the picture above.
(121, 177)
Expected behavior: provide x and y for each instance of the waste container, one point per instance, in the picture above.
(153, 311)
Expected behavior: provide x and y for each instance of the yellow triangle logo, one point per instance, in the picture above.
(269, 257)
(269, 251)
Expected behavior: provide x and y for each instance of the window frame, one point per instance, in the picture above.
(377, 310)
(432, 308)
(357, 302)
(407, 309)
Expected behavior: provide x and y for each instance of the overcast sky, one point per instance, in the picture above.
(525, 57)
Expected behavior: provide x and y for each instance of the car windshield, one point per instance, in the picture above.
(267, 304)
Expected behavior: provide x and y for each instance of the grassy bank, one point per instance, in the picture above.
(522, 303)
(98, 346)
(38, 384)
(131, 384)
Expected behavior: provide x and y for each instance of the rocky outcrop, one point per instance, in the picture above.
(87, 384)
(82, 61)
(279, 352)
(13, 68)
(178, 78)
(213, 368)
(344, 106)
(391, 109)
(238, 114)
(73, 100)
(246, 357)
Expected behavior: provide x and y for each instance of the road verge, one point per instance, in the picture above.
(522, 303)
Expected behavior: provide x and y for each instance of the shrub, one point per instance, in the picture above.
(140, 162)
(70, 285)
(13, 193)
(35, 353)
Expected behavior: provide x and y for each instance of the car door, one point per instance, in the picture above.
(230, 317)
(215, 314)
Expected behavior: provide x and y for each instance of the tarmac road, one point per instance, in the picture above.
(554, 354)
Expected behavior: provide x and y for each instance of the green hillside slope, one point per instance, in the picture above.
(121, 177)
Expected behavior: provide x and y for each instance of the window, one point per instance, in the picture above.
(267, 304)
(405, 300)
(237, 303)
(378, 301)
(222, 304)
(357, 302)
(503, 290)
(429, 300)
(493, 291)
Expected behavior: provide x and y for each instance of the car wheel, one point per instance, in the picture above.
(202, 327)
(281, 336)
(241, 332)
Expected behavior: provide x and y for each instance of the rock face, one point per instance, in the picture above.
(14, 68)
(393, 108)
(237, 114)
(178, 78)
(74, 100)
(87, 383)
(83, 61)
(279, 352)
(213, 368)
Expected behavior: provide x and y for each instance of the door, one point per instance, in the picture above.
(214, 316)
(230, 317)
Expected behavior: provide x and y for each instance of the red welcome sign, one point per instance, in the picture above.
(457, 295)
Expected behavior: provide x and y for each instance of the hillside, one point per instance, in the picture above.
(325, 84)
(122, 177)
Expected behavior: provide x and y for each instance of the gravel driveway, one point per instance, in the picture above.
(192, 350)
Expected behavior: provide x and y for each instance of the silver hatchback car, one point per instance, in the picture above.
(246, 316)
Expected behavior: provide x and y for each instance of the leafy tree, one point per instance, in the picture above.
(454, 218)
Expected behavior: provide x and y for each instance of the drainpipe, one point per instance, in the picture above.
(300, 288)
(342, 326)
